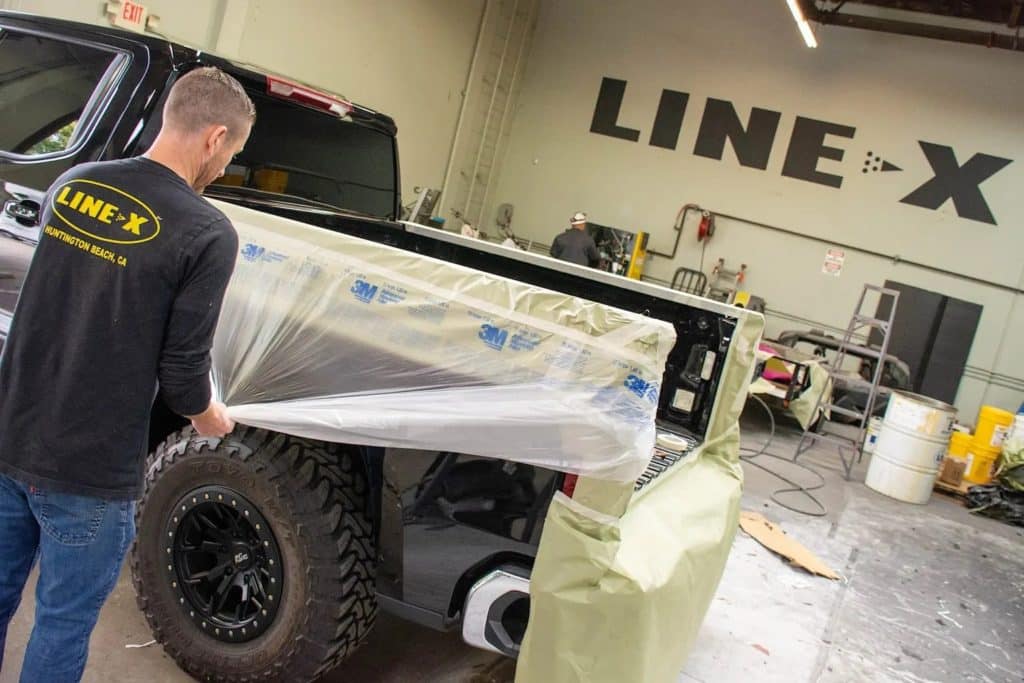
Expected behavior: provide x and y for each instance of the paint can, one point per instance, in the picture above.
(959, 444)
(911, 446)
(871, 437)
(991, 427)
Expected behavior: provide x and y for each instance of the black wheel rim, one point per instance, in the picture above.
(224, 564)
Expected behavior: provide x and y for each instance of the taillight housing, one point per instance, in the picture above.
(569, 484)
(296, 92)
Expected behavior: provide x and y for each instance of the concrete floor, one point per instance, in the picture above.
(930, 593)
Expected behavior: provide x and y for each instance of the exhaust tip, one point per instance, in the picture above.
(497, 609)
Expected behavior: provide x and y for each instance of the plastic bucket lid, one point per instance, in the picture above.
(994, 414)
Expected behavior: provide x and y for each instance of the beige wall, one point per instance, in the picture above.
(196, 26)
(407, 58)
(493, 88)
(894, 90)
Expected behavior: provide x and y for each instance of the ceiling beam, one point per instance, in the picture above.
(908, 28)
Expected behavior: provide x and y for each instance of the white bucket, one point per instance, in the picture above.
(871, 437)
(920, 414)
(1017, 429)
(910, 448)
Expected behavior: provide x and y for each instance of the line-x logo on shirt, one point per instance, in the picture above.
(104, 213)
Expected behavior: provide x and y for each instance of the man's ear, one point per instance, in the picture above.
(217, 136)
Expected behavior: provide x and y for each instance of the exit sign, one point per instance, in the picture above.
(128, 15)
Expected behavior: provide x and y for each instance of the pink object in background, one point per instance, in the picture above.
(774, 370)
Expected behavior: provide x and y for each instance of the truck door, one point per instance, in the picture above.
(61, 98)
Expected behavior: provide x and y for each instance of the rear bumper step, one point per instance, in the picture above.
(496, 611)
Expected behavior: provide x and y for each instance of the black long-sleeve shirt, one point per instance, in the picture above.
(123, 296)
(576, 246)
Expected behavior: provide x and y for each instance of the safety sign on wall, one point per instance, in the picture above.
(833, 264)
(131, 15)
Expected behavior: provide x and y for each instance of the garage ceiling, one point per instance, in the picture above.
(1005, 12)
(990, 23)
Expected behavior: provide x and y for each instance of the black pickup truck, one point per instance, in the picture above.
(283, 549)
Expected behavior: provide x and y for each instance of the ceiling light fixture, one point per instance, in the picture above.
(802, 23)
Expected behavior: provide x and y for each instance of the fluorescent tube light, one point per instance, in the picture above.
(802, 23)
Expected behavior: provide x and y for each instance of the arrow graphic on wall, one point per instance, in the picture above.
(877, 163)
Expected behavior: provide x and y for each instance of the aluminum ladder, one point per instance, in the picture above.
(819, 429)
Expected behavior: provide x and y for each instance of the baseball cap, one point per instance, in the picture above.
(578, 217)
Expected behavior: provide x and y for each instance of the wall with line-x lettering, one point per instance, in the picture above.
(909, 148)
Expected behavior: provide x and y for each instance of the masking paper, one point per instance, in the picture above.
(622, 579)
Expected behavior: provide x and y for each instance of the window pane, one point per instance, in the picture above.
(306, 153)
(44, 86)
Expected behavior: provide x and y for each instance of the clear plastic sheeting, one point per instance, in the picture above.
(341, 339)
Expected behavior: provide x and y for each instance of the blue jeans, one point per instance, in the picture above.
(80, 542)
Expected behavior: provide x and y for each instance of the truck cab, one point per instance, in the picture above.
(74, 93)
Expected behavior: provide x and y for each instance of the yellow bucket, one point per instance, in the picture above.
(992, 425)
(980, 463)
(959, 444)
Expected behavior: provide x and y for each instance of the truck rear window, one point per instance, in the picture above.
(45, 85)
(298, 151)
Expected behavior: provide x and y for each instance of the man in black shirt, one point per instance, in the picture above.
(575, 245)
(122, 299)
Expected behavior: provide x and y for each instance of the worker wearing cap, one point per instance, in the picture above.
(575, 245)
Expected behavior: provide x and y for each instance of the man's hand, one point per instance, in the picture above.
(213, 421)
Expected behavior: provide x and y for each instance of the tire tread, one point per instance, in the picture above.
(325, 490)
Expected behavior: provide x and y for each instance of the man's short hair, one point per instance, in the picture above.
(209, 97)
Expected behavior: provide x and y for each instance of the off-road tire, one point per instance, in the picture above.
(314, 498)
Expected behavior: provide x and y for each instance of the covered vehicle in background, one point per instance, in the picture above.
(852, 391)
(268, 553)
